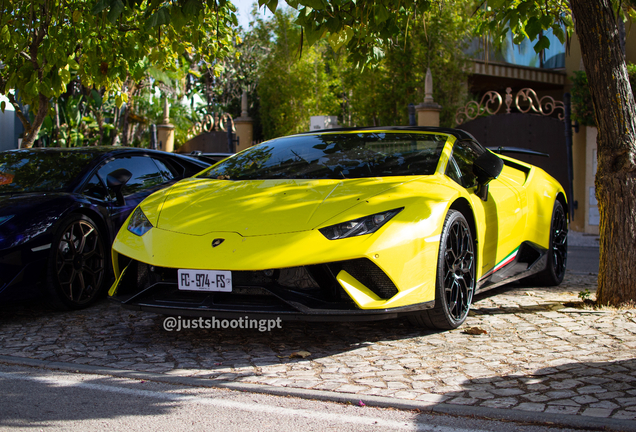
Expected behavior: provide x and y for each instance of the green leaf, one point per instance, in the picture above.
(381, 13)
(65, 74)
(45, 88)
(162, 16)
(313, 34)
(178, 20)
(546, 21)
(341, 38)
(30, 88)
(5, 34)
(73, 64)
(159, 75)
(557, 30)
(191, 8)
(533, 28)
(116, 8)
(543, 43)
(100, 6)
(3, 106)
(97, 98)
(153, 5)
(218, 69)
(272, 5)
(314, 4)
(57, 85)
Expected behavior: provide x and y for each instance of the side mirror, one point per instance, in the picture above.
(486, 168)
(116, 181)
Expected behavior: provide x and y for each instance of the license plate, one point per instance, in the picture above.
(205, 280)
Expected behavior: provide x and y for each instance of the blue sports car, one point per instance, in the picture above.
(60, 209)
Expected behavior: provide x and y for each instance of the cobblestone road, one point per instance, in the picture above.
(538, 354)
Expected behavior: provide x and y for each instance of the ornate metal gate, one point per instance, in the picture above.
(533, 126)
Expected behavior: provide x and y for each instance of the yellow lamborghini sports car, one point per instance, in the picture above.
(344, 224)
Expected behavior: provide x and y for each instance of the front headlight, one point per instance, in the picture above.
(357, 227)
(139, 223)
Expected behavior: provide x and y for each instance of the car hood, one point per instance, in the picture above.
(33, 214)
(10, 203)
(263, 207)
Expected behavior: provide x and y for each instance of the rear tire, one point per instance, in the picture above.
(558, 250)
(78, 264)
(455, 280)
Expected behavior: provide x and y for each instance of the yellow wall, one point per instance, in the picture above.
(584, 161)
(579, 141)
(573, 58)
(591, 206)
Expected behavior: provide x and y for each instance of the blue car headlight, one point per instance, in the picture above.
(360, 226)
(139, 223)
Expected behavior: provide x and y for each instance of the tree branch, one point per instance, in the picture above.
(125, 29)
(18, 111)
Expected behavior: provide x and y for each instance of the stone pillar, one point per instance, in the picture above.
(165, 131)
(244, 126)
(428, 111)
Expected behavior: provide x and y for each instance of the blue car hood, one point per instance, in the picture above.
(32, 215)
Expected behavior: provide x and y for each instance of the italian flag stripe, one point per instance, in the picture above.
(507, 260)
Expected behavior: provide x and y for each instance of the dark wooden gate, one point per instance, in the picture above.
(532, 127)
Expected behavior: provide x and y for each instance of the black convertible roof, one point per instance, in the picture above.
(457, 133)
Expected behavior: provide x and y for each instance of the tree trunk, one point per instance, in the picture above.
(56, 128)
(124, 127)
(30, 134)
(114, 135)
(615, 113)
(100, 125)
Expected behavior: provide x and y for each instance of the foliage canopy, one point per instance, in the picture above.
(45, 44)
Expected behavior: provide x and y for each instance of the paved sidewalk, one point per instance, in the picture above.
(537, 355)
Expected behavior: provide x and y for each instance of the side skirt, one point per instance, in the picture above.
(524, 261)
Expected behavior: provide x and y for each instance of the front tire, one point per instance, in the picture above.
(77, 268)
(455, 281)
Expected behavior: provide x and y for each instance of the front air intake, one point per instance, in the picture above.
(371, 276)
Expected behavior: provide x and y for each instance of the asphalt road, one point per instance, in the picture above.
(583, 260)
(53, 400)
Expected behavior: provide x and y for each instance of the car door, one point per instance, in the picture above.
(502, 216)
(148, 175)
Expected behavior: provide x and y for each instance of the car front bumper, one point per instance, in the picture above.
(325, 292)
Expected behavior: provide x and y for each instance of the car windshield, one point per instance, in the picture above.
(335, 156)
(40, 170)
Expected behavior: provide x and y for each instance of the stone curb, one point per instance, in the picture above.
(562, 420)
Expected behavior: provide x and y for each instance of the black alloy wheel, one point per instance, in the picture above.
(557, 258)
(78, 263)
(559, 240)
(455, 283)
